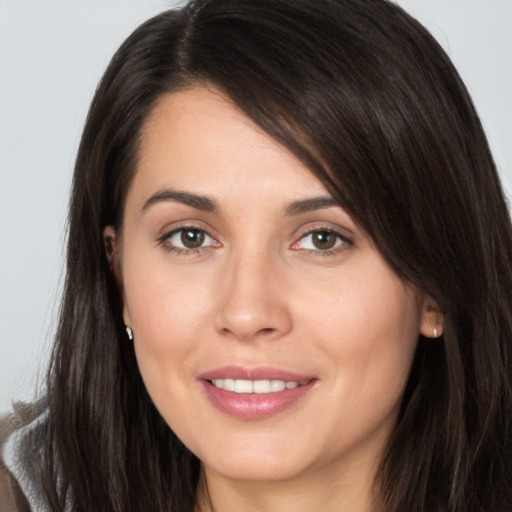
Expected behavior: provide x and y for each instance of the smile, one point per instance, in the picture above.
(254, 386)
(257, 393)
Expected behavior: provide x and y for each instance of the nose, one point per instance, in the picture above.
(252, 300)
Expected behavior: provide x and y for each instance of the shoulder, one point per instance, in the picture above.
(12, 498)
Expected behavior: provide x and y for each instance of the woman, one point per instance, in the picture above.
(288, 280)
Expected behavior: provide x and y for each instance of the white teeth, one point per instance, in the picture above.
(277, 385)
(261, 386)
(243, 386)
(256, 386)
(228, 385)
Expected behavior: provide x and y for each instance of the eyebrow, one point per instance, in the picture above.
(202, 203)
(206, 204)
(309, 205)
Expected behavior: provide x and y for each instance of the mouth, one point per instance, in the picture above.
(253, 394)
(255, 386)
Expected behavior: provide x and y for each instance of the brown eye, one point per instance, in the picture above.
(192, 238)
(324, 240)
(188, 239)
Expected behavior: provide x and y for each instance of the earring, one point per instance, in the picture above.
(129, 332)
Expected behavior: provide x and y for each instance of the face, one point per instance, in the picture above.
(270, 333)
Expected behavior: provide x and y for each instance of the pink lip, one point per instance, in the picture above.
(261, 373)
(254, 406)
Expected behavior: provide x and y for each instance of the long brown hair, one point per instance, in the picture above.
(360, 92)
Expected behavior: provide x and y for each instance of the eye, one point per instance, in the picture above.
(189, 238)
(321, 240)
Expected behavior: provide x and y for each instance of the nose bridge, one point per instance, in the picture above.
(251, 301)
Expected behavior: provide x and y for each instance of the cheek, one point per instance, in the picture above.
(166, 321)
(368, 329)
(371, 309)
(167, 310)
(162, 302)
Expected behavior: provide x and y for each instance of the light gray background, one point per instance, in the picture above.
(52, 54)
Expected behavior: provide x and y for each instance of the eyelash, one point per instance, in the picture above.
(343, 243)
(165, 242)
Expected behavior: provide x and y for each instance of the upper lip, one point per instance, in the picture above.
(260, 373)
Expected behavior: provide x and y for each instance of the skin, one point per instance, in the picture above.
(259, 292)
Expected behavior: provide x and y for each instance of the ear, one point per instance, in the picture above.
(432, 319)
(111, 241)
(111, 251)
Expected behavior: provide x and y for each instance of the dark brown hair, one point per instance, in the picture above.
(360, 92)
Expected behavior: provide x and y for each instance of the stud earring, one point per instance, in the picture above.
(129, 332)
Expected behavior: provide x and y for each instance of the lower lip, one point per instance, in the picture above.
(254, 406)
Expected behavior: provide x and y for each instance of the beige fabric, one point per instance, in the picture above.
(11, 497)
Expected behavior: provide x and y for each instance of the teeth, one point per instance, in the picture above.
(243, 386)
(261, 386)
(254, 386)
(229, 385)
(277, 385)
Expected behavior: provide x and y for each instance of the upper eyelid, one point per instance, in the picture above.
(314, 229)
(166, 232)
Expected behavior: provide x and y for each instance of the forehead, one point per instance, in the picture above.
(197, 138)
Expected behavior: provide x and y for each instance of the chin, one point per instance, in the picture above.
(255, 468)
(263, 457)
